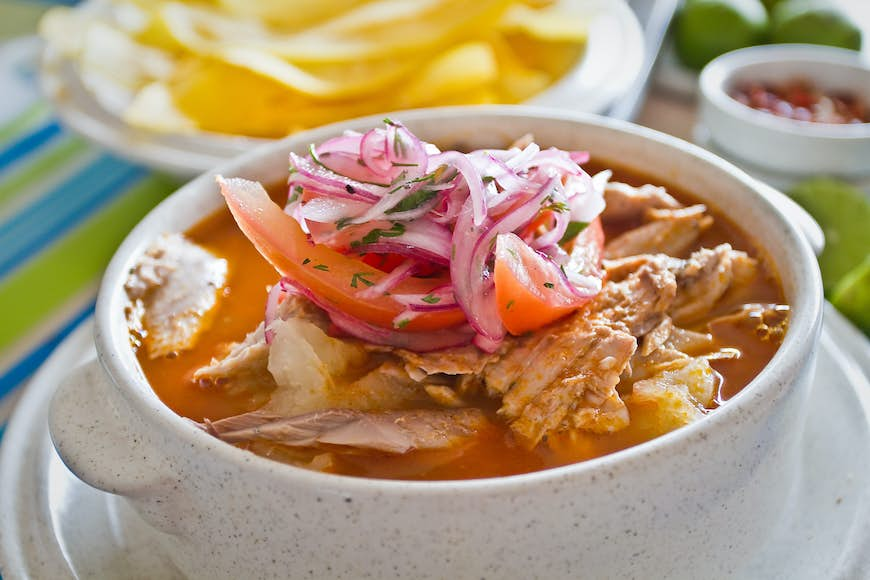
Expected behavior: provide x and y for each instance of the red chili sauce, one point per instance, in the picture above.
(801, 100)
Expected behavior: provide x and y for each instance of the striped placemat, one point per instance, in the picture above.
(65, 205)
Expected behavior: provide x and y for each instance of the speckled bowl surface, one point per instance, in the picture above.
(699, 499)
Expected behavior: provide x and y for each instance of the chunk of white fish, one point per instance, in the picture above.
(175, 288)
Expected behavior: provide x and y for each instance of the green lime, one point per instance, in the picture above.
(813, 22)
(851, 296)
(707, 28)
(771, 4)
(843, 212)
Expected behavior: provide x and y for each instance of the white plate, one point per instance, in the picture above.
(612, 61)
(54, 526)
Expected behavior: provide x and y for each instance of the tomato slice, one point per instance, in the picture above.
(326, 272)
(529, 289)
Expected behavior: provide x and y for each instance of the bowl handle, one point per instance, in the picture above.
(95, 435)
(811, 230)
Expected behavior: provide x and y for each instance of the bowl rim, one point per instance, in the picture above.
(715, 77)
(118, 360)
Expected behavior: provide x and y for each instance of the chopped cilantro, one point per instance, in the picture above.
(572, 231)
(343, 222)
(557, 206)
(509, 305)
(430, 299)
(397, 230)
(314, 156)
(403, 323)
(487, 179)
(549, 285)
(413, 201)
(305, 261)
(322, 267)
(361, 277)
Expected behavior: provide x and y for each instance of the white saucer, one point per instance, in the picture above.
(54, 526)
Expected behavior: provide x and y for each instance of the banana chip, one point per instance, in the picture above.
(267, 68)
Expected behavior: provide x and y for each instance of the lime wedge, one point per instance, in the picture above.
(851, 296)
(843, 212)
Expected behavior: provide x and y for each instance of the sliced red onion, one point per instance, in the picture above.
(349, 142)
(373, 152)
(310, 175)
(579, 157)
(520, 161)
(360, 179)
(401, 272)
(423, 239)
(561, 219)
(471, 176)
(417, 341)
(473, 246)
(391, 199)
(555, 161)
(406, 151)
(584, 200)
(347, 165)
(331, 209)
(391, 247)
(437, 300)
(485, 344)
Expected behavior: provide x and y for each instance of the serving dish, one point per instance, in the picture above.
(781, 147)
(612, 61)
(53, 525)
(688, 486)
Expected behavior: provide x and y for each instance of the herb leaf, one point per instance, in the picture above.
(361, 277)
(549, 285)
(509, 305)
(557, 206)
(297, 191)
(322, 267)
(572, 231)
(413, 201)
(305, 261)
(430, 299)
(397, 230)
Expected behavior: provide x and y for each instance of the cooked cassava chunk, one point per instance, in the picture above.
(676, 396)
(174, 287)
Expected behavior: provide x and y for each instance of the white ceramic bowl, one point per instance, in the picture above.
(698, 499)
(611, 63)
(788, 149)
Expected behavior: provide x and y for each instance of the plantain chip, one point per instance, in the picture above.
(266, 68)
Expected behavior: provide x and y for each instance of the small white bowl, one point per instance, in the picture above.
(697, 499)
(785, 148)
